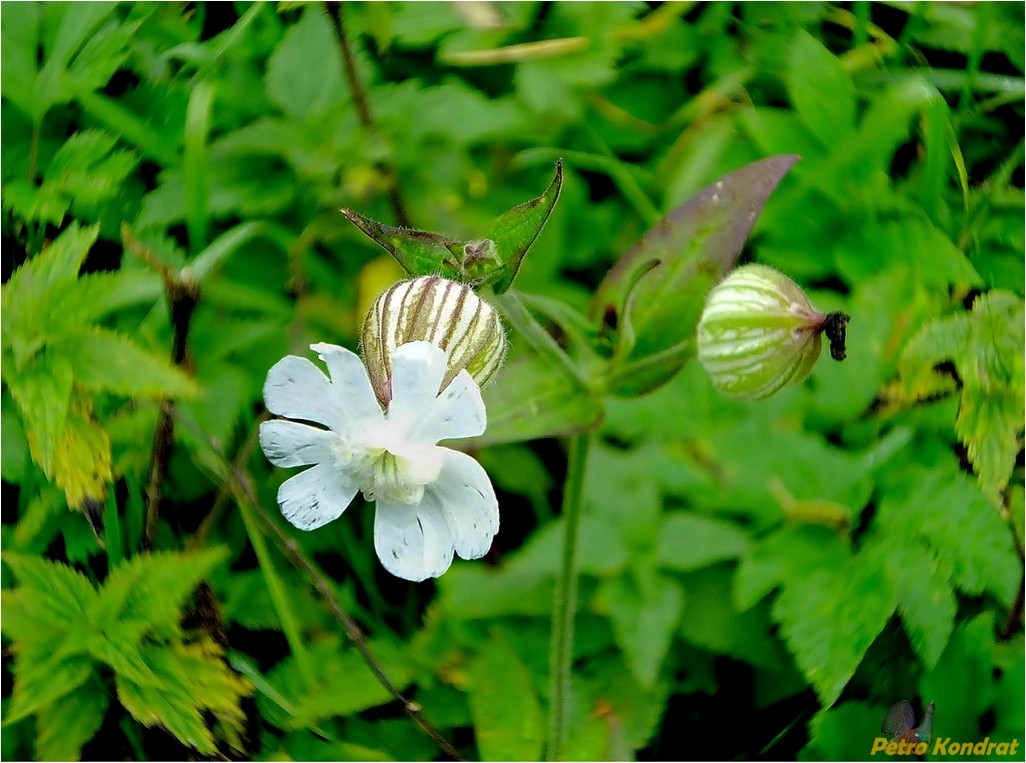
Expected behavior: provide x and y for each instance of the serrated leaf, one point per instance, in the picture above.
(151, 588)
(531, 398)
(695, 245)
(791, 553)
(820, 89)
(65, 725)
(62, 591)
(644, 618)
(689, 541)
(505, 709)
(82, 460)
(42, 393)
(193, 679)
(27, 309)
(986, 345)
(516, 230)
(41, 678)
(937, 506)
(107, 361)
(87, 170)
(925, 599)
(830, 618)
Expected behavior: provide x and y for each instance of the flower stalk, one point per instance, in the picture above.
(564, 605)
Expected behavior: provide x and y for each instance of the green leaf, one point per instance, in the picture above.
(925, 599)
(532, 398)
(29, 312)
(420, 252)
(41, 678)
(710, 621)
(503, 703)
(107, 361)
(343, 684)
(689, 541)
(82, 459)
(990, 416)
(844, 732)
(49, 592)
(644, 616)
(65, 725)
(300, 87)
(192, 679)
(936, 506)
(790, 554)
(830, 618)
(516, 230)
(42, 393)
(600, 549)
(150, 589)
(695, 245)
(820, 89)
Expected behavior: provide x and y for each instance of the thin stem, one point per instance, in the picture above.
(537, 337)
(363, 110)
(245, 494)
(564, 605)
(182, 296)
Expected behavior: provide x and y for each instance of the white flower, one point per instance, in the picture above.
(431, 500)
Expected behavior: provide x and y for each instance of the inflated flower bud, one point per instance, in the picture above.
(437, 310)
(758, 332)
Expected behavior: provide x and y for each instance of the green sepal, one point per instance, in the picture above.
(515, 231)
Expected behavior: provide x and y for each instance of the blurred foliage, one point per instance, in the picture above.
(790, 568)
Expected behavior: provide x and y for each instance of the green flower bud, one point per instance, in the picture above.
(758, 332)
(433, 309)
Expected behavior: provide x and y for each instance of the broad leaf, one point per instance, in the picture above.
(830, 618)
(644, 616)
(821, 90)
(531, 398)
(695, 245)
(65, 725)
(689, 541)
(507, 715)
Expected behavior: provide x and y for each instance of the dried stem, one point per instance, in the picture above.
(182, 295)
(243, 488)
(395, 197)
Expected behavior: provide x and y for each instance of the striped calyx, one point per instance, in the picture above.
(437, 310)
(758, 332)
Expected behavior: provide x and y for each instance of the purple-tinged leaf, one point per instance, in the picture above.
(695, 245)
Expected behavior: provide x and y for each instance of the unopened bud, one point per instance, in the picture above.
(437, 310)
(758, 332)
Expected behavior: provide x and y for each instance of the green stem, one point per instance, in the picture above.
(516, 312)
(564, 605)
(279, 595)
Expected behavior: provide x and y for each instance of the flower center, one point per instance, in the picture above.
(391, 468)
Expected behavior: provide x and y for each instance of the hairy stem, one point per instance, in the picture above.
(564, 605)
(363, 110)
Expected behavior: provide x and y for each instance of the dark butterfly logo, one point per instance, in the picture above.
(900, 723)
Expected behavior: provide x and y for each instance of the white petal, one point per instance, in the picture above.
(297, 389)
(467, 500)
(417, 371)
(458, 412)
(412, 541)
(349, 381)
(315, 497)
(289, 443)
